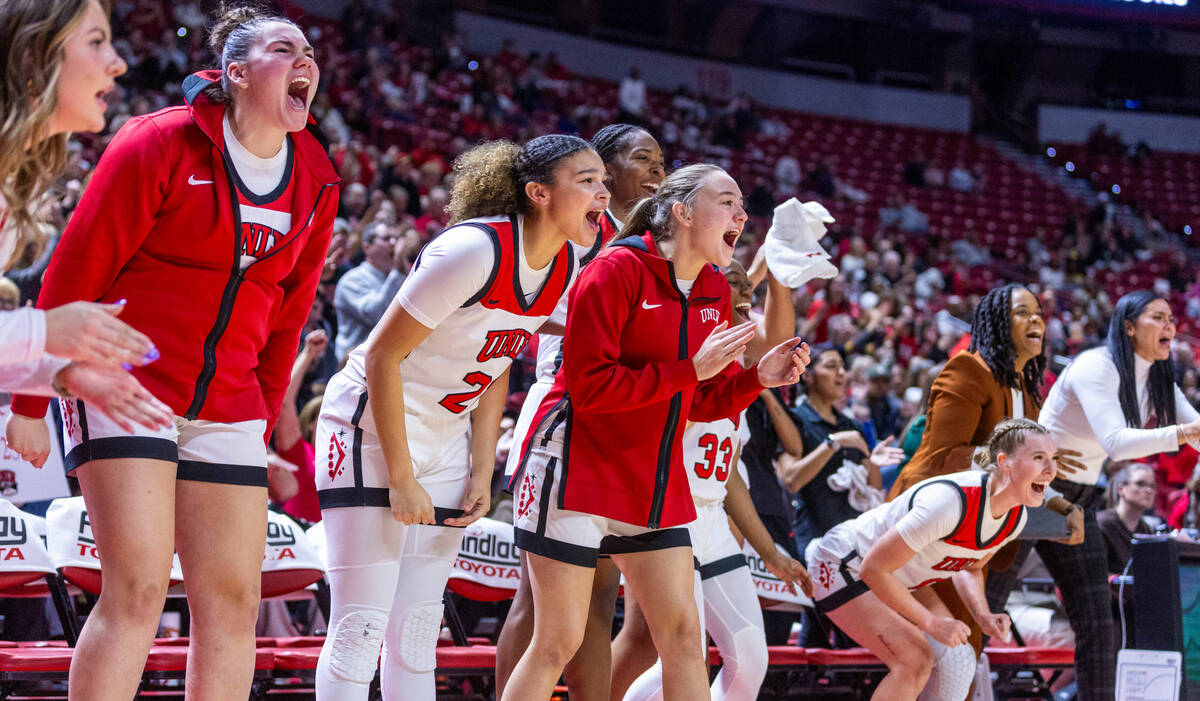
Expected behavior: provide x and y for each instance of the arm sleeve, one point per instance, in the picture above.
(299, 288)
(1095, 383)
(365, 301)
(935, 512)
(454, 267)
(22, 335)
(100, 240)
(595, 377)
(23, 367)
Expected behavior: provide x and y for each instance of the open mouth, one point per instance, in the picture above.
(1039, 488)
(650, 188)
(1034, 336)
(298, 93)
(593, 219)
(742, 308)
(731, 237)
(1164, 343)
(100, 95)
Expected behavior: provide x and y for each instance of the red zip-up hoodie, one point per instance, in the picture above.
(159, 225)
(627, 384)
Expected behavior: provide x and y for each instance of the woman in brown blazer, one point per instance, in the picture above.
(1000, 376)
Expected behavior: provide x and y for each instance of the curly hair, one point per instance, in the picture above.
(490, 179)
(1007, 437)
(231, 37)
(609, 141)
(1162, 372)
(991, 336)
(32, 36)
(653, 214)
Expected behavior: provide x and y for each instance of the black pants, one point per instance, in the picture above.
(1081, 574)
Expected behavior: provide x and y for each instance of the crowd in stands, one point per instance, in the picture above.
(397, 111)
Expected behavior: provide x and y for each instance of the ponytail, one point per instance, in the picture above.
(653, 214)
(490, 179)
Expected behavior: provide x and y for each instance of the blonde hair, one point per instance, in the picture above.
(653, 214)
(1007, 437)
(32, 36)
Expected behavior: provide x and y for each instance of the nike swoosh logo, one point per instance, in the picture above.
(193, 181)
(647, 305)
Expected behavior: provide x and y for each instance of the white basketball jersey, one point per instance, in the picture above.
(947, 520)
(708, 450)
(445, 375)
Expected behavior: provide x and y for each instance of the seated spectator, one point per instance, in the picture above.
(1131, 497)
(914, 170)
(883, 406)
(903, 215)
(838, 476)
(787, 174)
(820, 179)
(293, 435)
(364, 292)
(969, 250)
(960, 178)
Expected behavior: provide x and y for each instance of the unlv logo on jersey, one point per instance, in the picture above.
(708, 314)
(503, 344)
(257, 241)
(955, 564)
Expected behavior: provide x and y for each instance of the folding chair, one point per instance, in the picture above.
(26, 570)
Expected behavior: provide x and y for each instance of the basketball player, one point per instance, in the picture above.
(408, 429)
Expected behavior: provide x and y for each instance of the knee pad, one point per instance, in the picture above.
(354, 644)
(953, 672)
(415, 640)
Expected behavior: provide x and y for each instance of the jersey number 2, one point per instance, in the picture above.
(456, 402)
(705, 469)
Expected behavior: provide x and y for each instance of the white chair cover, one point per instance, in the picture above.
(487, 558)
(772, 592)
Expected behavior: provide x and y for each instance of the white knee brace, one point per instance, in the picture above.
(953, 672)
(354, 652)
(416, 638)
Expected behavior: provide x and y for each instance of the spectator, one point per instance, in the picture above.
(293, 436)
(960, 178)
(364, 292)
(884, 407)
(832, 442)
(632, 97)
(914, 170)
(1131, 497)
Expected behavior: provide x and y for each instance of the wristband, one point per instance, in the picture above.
(833, 445)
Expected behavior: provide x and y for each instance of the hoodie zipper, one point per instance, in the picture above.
(667, 443)
(229, 296)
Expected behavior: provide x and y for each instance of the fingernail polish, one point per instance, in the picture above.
(121, 301)
(152, 355)
(126, 367)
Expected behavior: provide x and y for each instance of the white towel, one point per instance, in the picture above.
(794, 251)
(852, 477)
